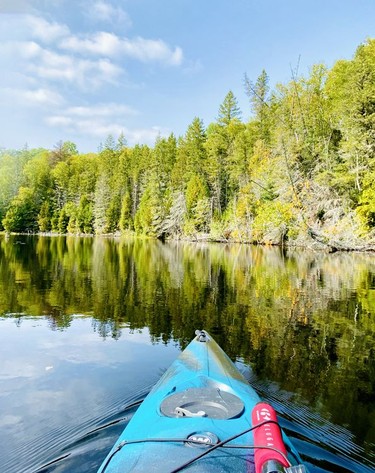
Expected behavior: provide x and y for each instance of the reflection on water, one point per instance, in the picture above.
(303, 321)
(57, 388)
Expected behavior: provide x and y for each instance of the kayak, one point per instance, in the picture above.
(203, 416)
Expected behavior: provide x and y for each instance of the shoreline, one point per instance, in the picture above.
(311, 243)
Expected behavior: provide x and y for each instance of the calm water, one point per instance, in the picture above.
(88, 325)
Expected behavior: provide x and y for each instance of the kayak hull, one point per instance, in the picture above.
(201, 397)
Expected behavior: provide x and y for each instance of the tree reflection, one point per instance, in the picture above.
(305, 320)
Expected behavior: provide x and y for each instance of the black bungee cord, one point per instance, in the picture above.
(203, 454)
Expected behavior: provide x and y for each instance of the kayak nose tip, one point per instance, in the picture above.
(201, 335)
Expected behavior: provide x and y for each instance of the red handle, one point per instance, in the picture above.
(267, 435)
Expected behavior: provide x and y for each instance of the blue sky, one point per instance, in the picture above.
(80, 70)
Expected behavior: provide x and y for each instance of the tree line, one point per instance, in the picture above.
(304, 163)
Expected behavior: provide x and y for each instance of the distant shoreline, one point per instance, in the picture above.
(307, 244)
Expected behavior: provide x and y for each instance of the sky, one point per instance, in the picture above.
(81, 70)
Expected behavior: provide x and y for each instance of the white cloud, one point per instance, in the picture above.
(19, 50)
(27, 49)
(48, 67)
(45, 31)
(32, 97)
(99, 129)
(101, 120)
(150, 49)
(133, 136)
(101, 110)
(105, 12)
(146, 135)
(33, 29)
(60, 120)
(86, 74)
(28, 26)
(108, 44)
(10, 420)
(105, 44)
(53, 66)
(94, 120)
(42, 97)
(47, 51)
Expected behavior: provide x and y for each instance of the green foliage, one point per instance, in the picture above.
(11, 176)
(83, 175)
(61, 175)
(73, 223)
(148, 218)
(199, 219)
(174, 222)
(191, 149)
(23, 212)
(44, 217)
(55, 221)
(351, 88)
(195, 191)
(197, 206)
(61, 152)
(102, 201)
(258, 94)
(113, 214)
(308, 150)
(366, 207)
(37, 174)
(64, 217)
(273, 221)
(163, 160)
(229, 110)
(201, 214)
(245, 207)
(85, 215)
(126, 221)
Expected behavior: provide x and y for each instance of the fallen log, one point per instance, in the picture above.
(335, 245)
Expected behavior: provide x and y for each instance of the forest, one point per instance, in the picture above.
(303, 166)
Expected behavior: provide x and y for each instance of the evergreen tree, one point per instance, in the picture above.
(102, 201)
(258, 94)
(121, 142)
(85, 215)
(193, 145)
(126, 221)
(44, 217)
(223, 154)
(229, 110)
(174, 222)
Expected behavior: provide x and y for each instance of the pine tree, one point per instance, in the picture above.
(258, 94)
(126, 221)
(102, 200)
(229, 110)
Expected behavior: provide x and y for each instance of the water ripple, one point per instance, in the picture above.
(326, 447)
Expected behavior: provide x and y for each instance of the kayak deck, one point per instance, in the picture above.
(200, 401)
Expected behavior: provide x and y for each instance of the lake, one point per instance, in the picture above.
(88, 325)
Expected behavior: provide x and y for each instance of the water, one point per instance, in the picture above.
(88, 325)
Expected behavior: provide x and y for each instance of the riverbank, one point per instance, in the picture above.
(311, 240)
